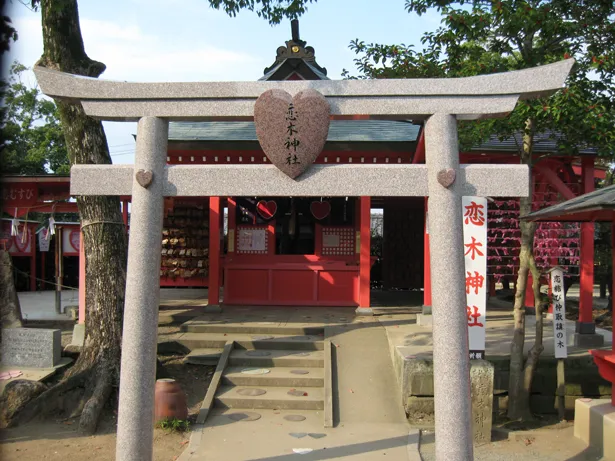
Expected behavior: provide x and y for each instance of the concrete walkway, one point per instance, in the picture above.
(412, 339)
(369, 422)
(40, 305)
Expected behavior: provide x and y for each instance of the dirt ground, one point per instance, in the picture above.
(58, 439)
(555, 443)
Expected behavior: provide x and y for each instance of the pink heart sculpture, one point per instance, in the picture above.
(267, 209)
(320, 210)
(74, 239)
(292, 131)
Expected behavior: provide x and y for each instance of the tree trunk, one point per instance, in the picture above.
(518, 393)
(534, 353)
(10, 311)
(104, 239)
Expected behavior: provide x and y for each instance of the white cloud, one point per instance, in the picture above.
(105, 30)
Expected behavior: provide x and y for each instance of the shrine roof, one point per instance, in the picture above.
(44, 178)
(592, 207)
(339, 130)
(288, 67)
(543, 143)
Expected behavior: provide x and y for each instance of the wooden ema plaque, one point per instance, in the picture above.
(185, 242)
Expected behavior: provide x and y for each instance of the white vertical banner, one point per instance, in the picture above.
(558, 301)
(475, 250)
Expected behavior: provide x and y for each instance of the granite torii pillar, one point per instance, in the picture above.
(441, 102)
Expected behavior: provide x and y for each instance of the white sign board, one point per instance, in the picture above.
(44, 239)
(252, 240)
(330, 240)
(558, 300)
(475, 250)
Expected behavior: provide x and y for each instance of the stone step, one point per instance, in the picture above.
(204, 356)
(274, 328)
(276, 358)
(250, 341)
(274, 398)
(277, 377)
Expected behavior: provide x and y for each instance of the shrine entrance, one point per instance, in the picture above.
(440, 103)
(293, 251)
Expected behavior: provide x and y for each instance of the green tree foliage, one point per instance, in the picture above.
(31, 132)
(490, 36)
(272, 11)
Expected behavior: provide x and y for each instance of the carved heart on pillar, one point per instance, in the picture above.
(320, 210)
(292, 131)
(267, 209)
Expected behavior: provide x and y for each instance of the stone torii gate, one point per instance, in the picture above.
(440, 102)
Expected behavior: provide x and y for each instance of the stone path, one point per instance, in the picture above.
(368, 420)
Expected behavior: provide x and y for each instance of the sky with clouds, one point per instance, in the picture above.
(187, 40)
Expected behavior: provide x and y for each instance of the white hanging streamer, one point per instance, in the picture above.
(52, 228)
(15, 225)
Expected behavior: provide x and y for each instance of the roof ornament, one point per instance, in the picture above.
(294, 51)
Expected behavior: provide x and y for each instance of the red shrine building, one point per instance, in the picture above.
(299, 251)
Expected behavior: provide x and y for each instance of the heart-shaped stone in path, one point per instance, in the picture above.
(446, 177)
(292, 131)
(250, 392)
(245, 417)
(144, 177)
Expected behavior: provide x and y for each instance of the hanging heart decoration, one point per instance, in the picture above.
(22, 242)
(74, 239)
(292, 131)
(267, 210)
(320, 210)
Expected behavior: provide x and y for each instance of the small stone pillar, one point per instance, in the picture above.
(481, 379)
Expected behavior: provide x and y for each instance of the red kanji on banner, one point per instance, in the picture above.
(21, 194)
(475, 282)
(473, 317)
(475, 214)
(473, 247)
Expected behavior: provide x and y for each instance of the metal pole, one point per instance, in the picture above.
(135, 427)
(58, 261)
(453, 409)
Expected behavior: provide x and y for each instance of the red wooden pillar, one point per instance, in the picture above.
(613, 297)
(125, 213)
(365, 252)
(82, 279)
(32, 257)
(43, 274)
(426, 266)
(587, 252)
(214, 254)
(232, 224)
